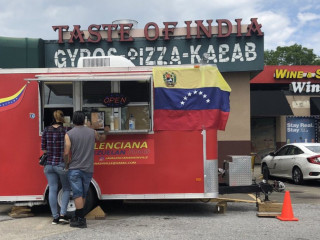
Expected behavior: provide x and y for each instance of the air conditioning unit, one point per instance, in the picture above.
(104, 61)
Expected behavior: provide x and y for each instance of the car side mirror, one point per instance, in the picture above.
(272, 154)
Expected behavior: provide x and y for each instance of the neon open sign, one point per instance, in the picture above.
(115, 100)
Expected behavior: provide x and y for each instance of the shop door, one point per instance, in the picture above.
(263, 136)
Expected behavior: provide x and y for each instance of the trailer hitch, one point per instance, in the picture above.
(267, 188)
(262, 187)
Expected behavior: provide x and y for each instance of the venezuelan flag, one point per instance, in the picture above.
(12, 101)
(190, 98)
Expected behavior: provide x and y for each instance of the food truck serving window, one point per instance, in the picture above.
(115, 102)
(106, 102)
(57, 95)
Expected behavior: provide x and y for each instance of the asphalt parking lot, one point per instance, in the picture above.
(178, 220)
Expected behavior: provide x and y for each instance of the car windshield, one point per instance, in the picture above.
(315, 149)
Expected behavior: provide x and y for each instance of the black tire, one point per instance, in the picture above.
(91, 200)
(265, 172)
(297, 176)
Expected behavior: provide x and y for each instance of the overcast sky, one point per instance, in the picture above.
(284, 22)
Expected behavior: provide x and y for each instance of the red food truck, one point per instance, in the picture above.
(162, 142)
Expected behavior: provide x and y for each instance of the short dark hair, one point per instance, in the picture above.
(78, 118)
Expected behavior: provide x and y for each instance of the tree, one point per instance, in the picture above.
(291, 55)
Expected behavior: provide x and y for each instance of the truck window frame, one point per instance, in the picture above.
(79, 105)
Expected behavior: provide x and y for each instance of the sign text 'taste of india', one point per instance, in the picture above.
(231, 46)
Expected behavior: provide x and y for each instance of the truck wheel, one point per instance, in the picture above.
(91, 200)
(71, 206)
(297, 176)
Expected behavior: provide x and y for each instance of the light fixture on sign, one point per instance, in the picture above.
(126, 21)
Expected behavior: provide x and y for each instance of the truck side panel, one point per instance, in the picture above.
(20, 173)
(177, 166)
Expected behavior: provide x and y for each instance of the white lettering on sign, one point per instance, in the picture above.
(84, 52)
(98, 52)
(224, 53)
(237, 53)
(162, 51)
(175, 56)
(212, 55)
(306, 125)
(297, 127)
(291, 127)
(295, 130)
(72, 56)
(195, 54)
(299, 87)
(250, 50)
(132, 54)
(59, 59)
(148, 59)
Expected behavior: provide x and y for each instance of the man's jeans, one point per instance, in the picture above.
(79, 182)
(53, 174)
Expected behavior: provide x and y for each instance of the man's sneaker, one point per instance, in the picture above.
(55, 220)
(63, 220)
(78, 222)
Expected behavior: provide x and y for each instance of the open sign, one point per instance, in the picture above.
(115, 100)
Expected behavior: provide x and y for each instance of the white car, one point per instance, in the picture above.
(296, 161)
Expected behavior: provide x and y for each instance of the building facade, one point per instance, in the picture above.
(285, 106)
(237, 49)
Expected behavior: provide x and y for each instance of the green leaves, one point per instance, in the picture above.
(291, 55)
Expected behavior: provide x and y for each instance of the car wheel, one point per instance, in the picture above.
(297, 176)
(265, 172)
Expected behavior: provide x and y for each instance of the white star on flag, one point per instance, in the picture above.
(195, 93)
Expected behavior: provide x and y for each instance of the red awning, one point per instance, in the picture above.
(268, 75)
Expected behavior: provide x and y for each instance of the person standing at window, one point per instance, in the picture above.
(79, 142)
(52, 143)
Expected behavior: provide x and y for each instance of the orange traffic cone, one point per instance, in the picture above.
(287, 213)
